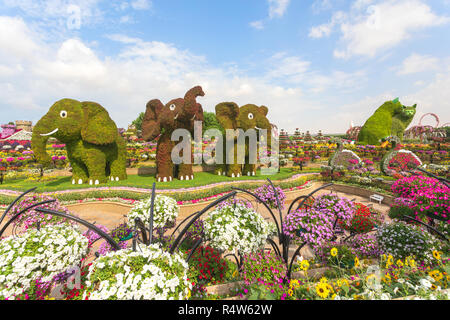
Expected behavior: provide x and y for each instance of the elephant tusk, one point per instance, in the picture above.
(50, 133)
(175, 118)
(193, 117)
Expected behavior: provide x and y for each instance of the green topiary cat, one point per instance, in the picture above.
(391, 119)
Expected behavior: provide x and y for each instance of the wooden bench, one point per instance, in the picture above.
(376, 197)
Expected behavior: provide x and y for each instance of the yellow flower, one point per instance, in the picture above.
(341, 282)
(290, 292)
(400, 263)
(188, 294)
(304, 265)
(436, 255)
(436, 275)
(322, 290)
(323, 280)
(356, 262)
(390, 261)
(334, 252)
(294, 284)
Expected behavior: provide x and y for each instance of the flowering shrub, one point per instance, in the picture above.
(207, 265)
(408, 187)
(31, 218)
(149, 274)
(365, 245)
(267, 194)
(402, 240)
(401, 161)
(263, 266)
(345, 158)
(336, 255)
(194, 233)
(428, 197)
(165, 210)
(37, 254)
(336, 207)
(311, 226)
(361, 221)
(232, 201)
(92, 236)
(236, 227)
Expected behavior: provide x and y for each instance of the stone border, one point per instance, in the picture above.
(357, 191)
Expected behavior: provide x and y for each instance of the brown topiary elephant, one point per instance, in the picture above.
(249, 116)
(163, 120)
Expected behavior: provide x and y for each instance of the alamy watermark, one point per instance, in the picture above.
(253, 146)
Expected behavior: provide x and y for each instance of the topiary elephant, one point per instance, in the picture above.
(94, 146)
(249, 116)
(163, 120)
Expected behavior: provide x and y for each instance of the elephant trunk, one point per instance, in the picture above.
(39, 142)
(191, 106)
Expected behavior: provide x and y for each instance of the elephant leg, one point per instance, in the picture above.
(118, 164)
(249, 169)
(185, 172)
(79, 172)
(234, 169)
(96, 165)
(164, 164)
(220, 168)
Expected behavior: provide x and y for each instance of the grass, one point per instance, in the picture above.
(140, 181)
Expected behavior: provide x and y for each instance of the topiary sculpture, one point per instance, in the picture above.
(390, 119)
(163, 120)
(94, 147)
(249, 116)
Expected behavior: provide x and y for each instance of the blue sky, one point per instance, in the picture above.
(317, 64)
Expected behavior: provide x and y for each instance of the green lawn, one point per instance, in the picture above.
(140, 181)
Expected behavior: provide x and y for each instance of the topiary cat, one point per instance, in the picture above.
(390, 119)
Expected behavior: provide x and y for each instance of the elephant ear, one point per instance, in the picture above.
(227, 114)
(264, 110)
(97, 126)
(150, 124)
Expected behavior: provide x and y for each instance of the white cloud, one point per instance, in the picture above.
(277, 8)
(141, 4)
(372, 27)
(57, 10)
(418, 63)
(324, 30)
(259, 25)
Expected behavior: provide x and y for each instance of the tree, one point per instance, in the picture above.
(138, 122)
(210, 121)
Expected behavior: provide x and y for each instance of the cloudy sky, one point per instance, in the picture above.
(317, 64)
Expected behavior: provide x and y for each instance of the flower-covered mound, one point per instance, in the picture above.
(236, 228)
(165, 210)
(37, 254)
(149, 273)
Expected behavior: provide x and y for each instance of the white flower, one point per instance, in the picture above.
(425, 283)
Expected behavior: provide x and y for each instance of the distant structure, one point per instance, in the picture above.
(16, 136)
(24, 125)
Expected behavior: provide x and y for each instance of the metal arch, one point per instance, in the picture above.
(14, 202)
(13, 218)
(89, 225)
(431, 114)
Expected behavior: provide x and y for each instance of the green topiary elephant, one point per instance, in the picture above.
(249, 116)
(95, 149)
(391, 119)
